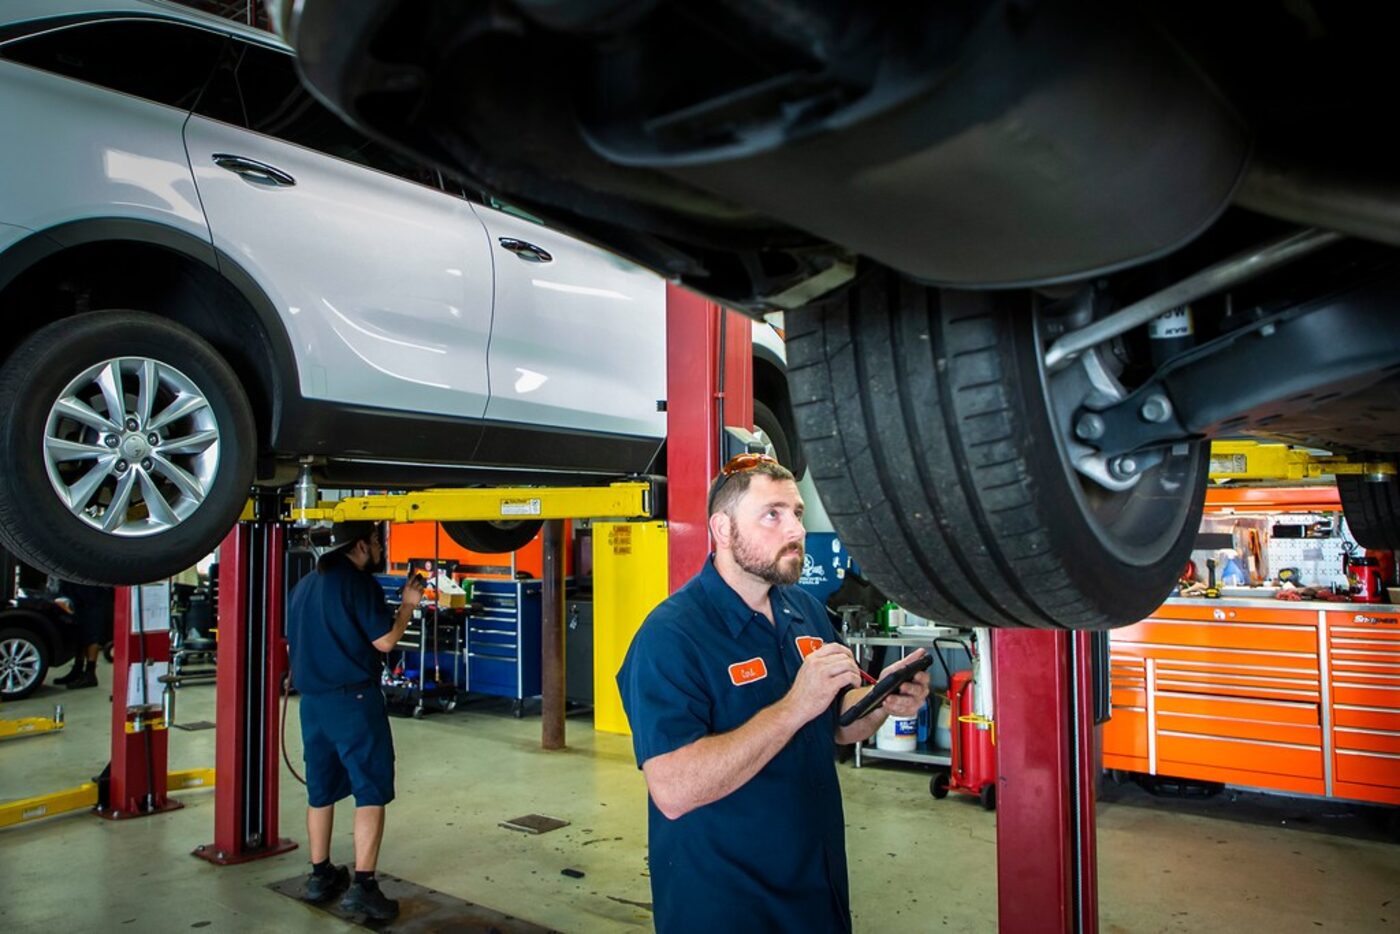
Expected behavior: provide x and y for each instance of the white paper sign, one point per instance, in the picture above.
(152, 601)
(154, 672)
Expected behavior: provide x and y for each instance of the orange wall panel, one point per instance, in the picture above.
(419, 539)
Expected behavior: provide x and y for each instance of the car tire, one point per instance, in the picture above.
(766, 421)
(1372, 511)
(200, 467)
(493, 538)
(931, 439)
(24, 663)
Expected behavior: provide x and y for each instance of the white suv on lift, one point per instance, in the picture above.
(208, 279)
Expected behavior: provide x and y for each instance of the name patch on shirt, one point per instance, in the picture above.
(748, 672)
(806, 645)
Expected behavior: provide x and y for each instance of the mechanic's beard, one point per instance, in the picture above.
(772, 570)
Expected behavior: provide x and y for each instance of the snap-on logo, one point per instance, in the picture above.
(806, 645)
(1381, 620)
(748, 672)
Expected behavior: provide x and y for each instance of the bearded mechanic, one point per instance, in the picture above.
(733, 687)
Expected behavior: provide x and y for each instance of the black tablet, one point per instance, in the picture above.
(883, 689)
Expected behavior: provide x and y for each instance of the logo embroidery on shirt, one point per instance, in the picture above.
(806, 645)
(742, 673)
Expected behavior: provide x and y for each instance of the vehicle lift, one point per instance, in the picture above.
(1047, 684)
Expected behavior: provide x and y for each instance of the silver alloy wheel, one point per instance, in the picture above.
(19, 665)
(131, 447)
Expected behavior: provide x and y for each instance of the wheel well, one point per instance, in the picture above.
(147, 277)
(36, 625)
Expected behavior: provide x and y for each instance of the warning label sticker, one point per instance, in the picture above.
(1228, 463)
(520, 507)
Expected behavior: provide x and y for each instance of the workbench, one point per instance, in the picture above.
(1300, 697)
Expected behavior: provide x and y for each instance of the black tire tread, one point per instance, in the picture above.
(1372, 511)
(873, 361)
(484, 538)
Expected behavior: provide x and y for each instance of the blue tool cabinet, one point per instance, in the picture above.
(503, 639)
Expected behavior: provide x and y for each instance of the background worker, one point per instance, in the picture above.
(338, 624)
(733, 687)
(94, 609)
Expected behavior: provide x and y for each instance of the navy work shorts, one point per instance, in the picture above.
(348, 748)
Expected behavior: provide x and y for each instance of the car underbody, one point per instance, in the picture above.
(1173, 223)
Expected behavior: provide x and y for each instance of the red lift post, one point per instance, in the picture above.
(252, 664)
(706, 389)
(137, 780)
(1047, 761)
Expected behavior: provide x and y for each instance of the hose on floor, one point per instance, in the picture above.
(286, 698)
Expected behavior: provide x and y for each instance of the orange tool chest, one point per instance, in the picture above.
(1294, 697)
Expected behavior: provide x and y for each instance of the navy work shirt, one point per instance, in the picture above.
(771, 856)
(333, 618)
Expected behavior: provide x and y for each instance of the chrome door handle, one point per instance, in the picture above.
(526, 251)
(250, 170)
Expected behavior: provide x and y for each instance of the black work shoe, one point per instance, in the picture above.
(74, 674)
(368, 900)
(88, 679)
(321, 886)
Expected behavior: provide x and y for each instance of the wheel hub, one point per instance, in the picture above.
(131, 446)
(134, 446)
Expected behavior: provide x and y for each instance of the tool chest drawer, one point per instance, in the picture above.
(1231, 753)
(1239, 718)
(1271, 636)
(503, 639)
(1368, 768)
(1365, 739)
(1127, 681)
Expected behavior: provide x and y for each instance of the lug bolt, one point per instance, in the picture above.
(1123, 467)
(1090, 427)
(111, 441)
(122, 465)
(147, 463)
(132, 424)
(153, 439)
(1156, 408)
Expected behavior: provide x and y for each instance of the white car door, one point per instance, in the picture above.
(579, 335)
(384, 283)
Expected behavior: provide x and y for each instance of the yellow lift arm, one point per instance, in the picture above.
(627, 500)
(1255, 461)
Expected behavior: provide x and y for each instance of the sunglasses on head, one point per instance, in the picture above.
(741, 463)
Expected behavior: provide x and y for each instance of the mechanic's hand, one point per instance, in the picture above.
(413, 591)
(822, 676)
(906, 701)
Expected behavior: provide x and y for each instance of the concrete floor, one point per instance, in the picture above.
(916, 864)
